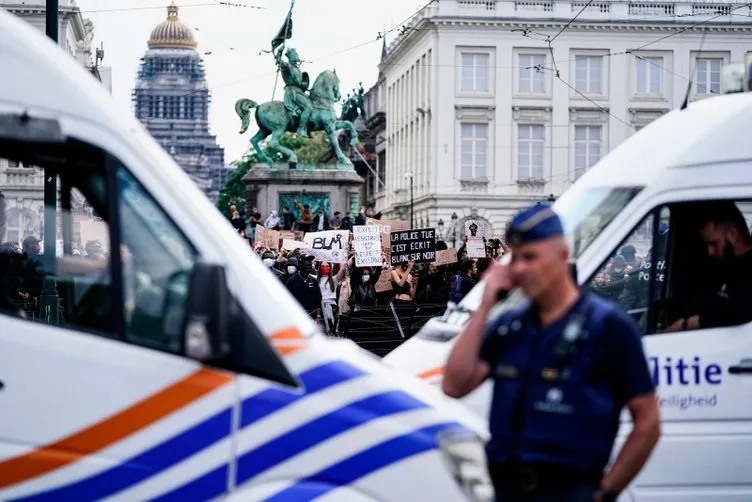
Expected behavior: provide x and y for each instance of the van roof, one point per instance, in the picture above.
(36, 75)
(710, 126)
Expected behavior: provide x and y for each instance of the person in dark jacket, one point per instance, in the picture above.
(288, 219)
(269, 260)
(320, 222)
(347, 223)
(305, 288)
(363, 286)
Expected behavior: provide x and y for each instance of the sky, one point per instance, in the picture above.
(328, 34)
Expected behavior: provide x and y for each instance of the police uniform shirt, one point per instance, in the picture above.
(565, 415)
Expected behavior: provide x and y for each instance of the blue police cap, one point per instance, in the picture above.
(533, 224)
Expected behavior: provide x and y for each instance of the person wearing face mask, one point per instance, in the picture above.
(363, 284)
(328, 283)
(305, 288)
(290, 269)
(268, 259)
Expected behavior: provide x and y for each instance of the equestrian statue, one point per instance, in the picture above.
(303, 109)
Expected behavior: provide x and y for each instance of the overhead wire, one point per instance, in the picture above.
(160, 7)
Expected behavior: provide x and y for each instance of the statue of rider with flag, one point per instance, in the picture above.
(297, 102)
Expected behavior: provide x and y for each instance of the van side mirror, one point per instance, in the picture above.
(206, 327)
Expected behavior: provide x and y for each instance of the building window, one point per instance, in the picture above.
(12, 163)
(589, 74)
(531, 140)
(709, 75)
(474, 150)
(531, 77)
(475, 72)
(649, 75)
(587, 148)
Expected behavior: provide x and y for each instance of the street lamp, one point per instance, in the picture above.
(412, 215)
(454, 230)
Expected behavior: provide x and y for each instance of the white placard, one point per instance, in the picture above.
(367, 241)
(476, 248)
(330, 245)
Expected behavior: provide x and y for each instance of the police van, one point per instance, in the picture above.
(178, 368)
(632, 214)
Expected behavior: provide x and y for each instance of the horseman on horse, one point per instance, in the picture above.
(297, 102)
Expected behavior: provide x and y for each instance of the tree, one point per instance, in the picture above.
(309, 150)
(233, 193)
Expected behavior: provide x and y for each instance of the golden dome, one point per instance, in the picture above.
(171, 32)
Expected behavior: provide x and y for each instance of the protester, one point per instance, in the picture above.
(273, 221)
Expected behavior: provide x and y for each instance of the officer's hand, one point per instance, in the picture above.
(498, 279)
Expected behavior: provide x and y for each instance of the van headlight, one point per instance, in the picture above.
(466, 457)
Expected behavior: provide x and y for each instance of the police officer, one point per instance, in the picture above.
(564, 364)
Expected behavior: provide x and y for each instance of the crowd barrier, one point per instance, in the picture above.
(382, 328)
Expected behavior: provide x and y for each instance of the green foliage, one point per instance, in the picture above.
(309, 151)
(233, 193)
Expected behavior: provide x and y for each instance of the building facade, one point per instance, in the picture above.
(23, 186)
(495, 104)
(172, 99)
(375, 105)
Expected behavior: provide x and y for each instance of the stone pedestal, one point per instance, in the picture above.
(321, 186)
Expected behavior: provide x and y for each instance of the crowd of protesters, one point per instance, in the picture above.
(331, 292)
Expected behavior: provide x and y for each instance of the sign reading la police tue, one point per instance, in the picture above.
(413, 245)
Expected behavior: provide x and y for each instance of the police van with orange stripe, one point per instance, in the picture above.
(175, 366)
(638, 236)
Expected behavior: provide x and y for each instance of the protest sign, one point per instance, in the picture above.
(474, 228)
(330, 245)
(445, 257)
(413, 245)
(386, 247)
(367, 243)
(267, 237)
(292, 245)
(385, 282)
(287, 234)
(476, 248)
(387, 226)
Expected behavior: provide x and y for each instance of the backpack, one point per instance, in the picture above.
(455, 289)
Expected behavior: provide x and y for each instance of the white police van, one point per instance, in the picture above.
(642, 195)
(179, 368)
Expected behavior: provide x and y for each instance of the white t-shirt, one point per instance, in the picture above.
(326, 291)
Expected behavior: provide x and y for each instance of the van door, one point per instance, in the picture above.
(659, 274)
(96, 397)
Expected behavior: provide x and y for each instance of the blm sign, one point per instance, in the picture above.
(413, 245)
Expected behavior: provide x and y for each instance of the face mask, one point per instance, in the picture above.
(324, 270)
(268, 262)
(365, 278)
(291, 269)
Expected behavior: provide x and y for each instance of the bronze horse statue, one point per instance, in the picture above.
(273, 119)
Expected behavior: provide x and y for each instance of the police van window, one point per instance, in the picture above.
(709, 272)
(627, 276)
(156, 270)
(55, 249)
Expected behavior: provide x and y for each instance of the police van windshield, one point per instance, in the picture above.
(585, 211)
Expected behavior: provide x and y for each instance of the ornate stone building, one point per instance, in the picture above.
(487, 117)
(172, 99)
(23, 186)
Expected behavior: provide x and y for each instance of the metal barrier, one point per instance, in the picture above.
(382, 328)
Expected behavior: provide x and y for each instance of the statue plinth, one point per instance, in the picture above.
(321, 186)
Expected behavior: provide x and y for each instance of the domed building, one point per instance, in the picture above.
(171, 99)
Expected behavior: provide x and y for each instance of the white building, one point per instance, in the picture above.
(488, 115)
(23, 186)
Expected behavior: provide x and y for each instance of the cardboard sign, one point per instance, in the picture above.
(445, 257)
(292, 245)
(367, 243)
(330, 245)
(476, 248)
(299, 235)
(386, 248)
(474, 228)
(387, 226)
(385, 282)
(287, 234)
(413, 245)
(267, 237)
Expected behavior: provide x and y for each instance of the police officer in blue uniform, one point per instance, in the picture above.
(564, 364)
